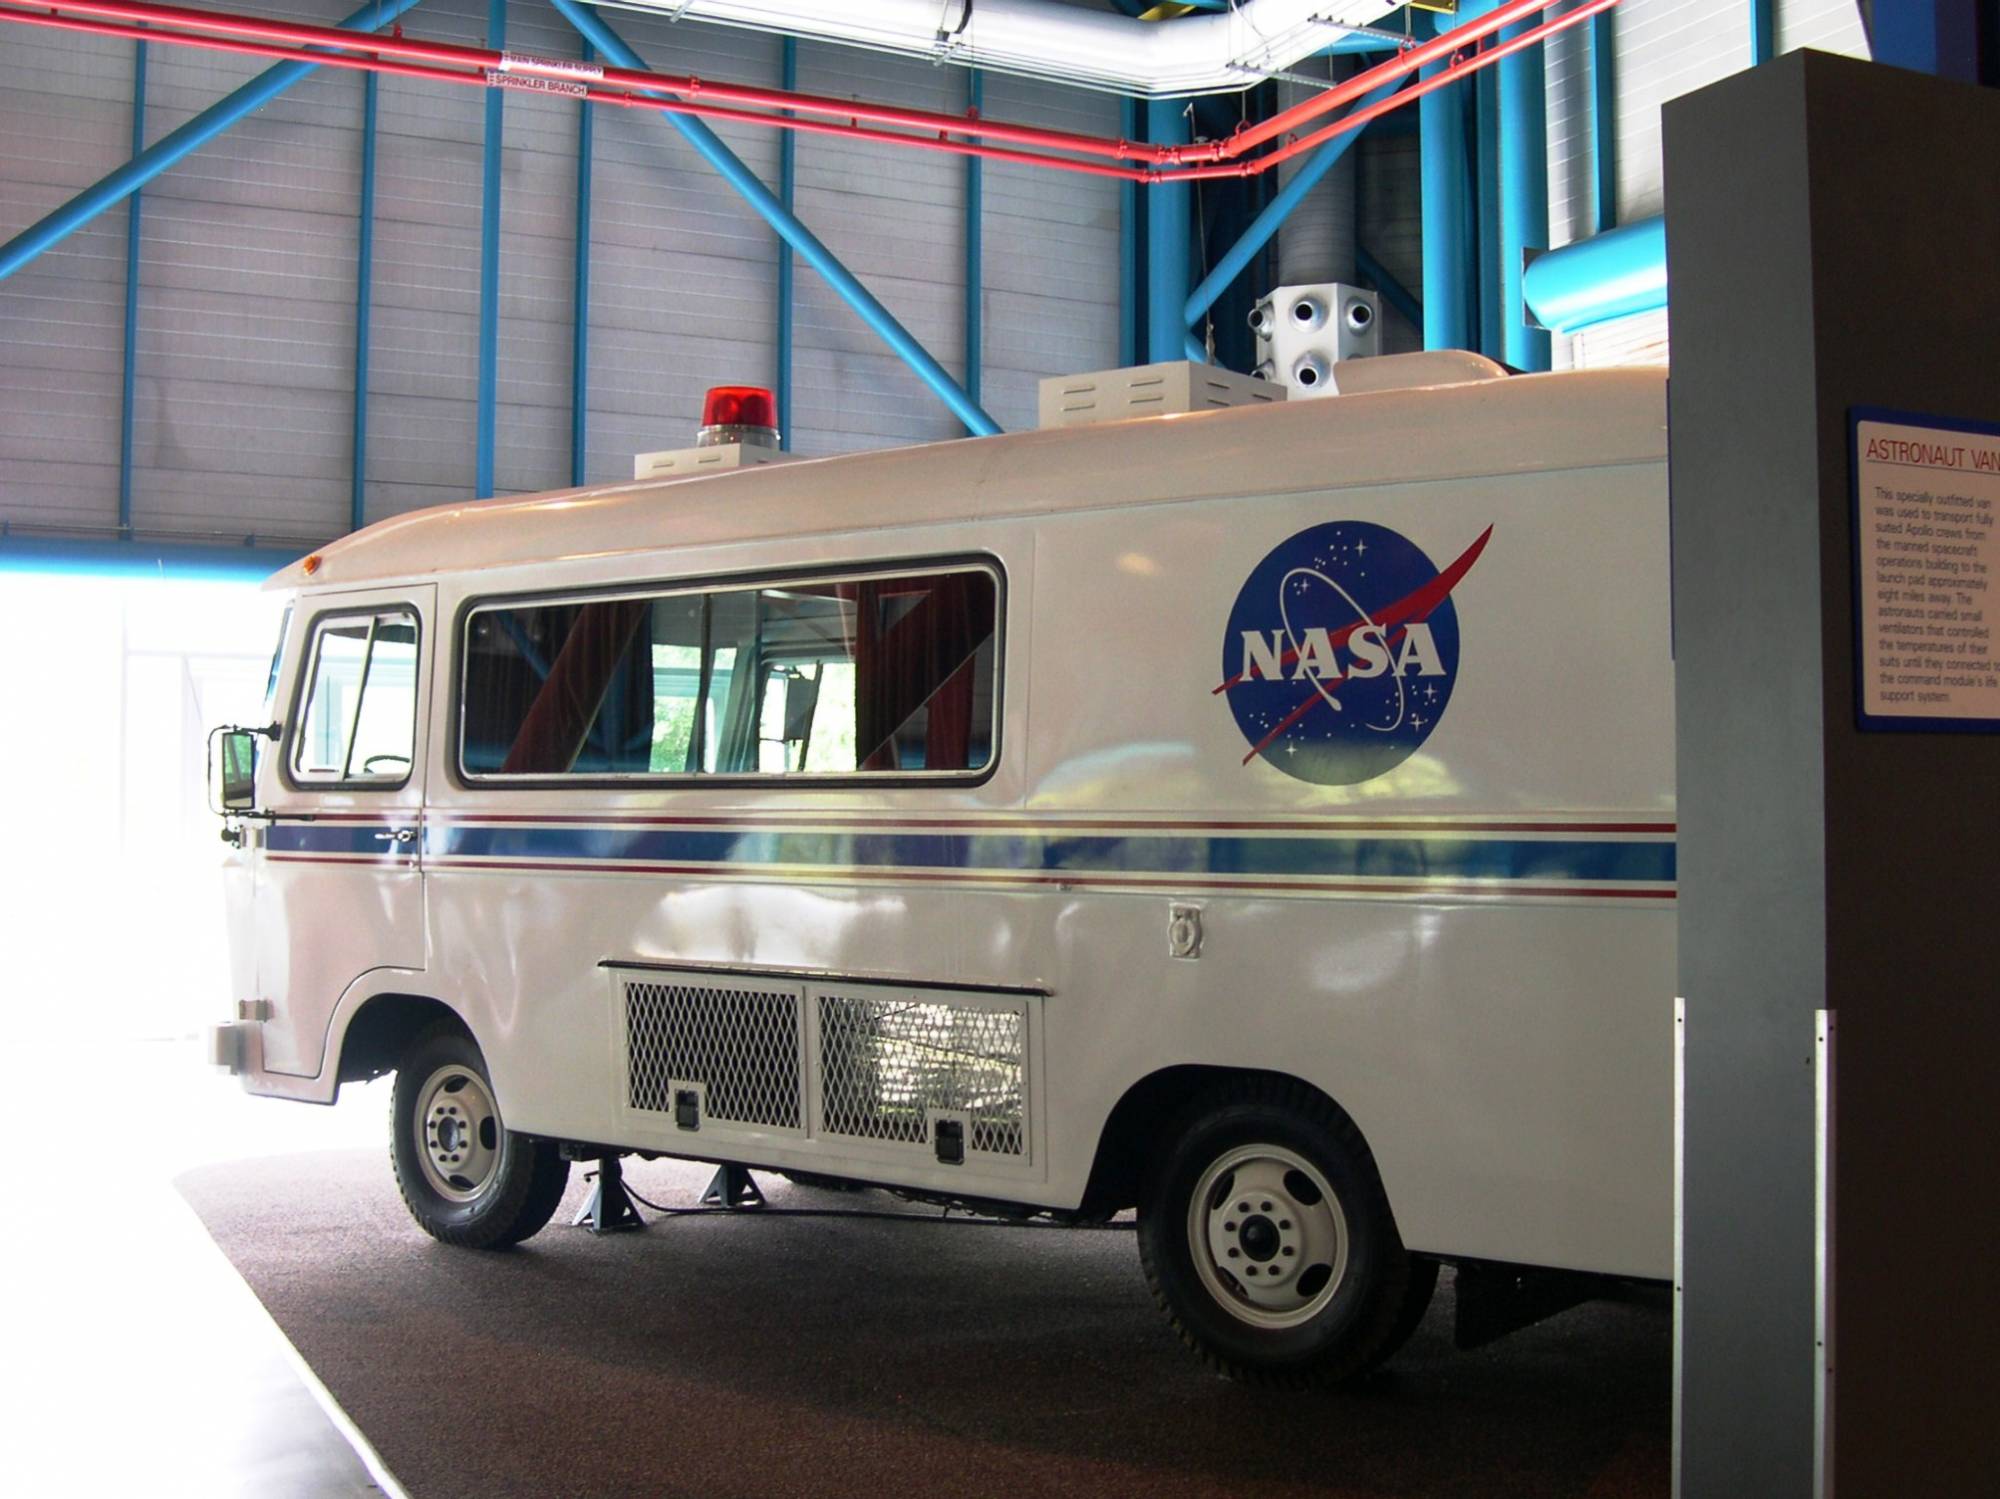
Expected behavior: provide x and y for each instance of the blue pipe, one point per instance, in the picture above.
(1274, 213)
(1614, 274)
(1604, 119)
(788, 187)
(1763, 31)
(1193, 348)
(1444, 117)
(128, 559)
(364, 291)
(1167, 232)
(1128, 246)
(170, 148)
(1524, 195)
(579, 328)
(129, 379)
(587, 20)
(489, 268)
(1392, 291)
(975, 98)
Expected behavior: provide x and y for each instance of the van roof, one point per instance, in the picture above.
(1520, 424)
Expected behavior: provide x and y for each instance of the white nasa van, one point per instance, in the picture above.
(1262, 817)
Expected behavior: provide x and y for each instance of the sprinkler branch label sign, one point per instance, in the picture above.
(1927, 558)
(1341, 652)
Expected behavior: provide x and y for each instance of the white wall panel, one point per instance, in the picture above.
(66, 119)
(682, 272)
(244, 398)
(896, 219)
(1049, 255)
(244, 391)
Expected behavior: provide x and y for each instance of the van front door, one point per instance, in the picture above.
(340, 893)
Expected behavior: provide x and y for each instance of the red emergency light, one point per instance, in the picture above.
(738, 413)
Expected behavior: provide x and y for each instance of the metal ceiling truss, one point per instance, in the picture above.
(1163, 165)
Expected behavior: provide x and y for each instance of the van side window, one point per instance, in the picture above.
(360, 705)
(870, 675)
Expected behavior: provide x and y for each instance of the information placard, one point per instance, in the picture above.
(1927, 572)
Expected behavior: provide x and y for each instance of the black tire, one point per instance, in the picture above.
(1309, 1213)
(465, 1177)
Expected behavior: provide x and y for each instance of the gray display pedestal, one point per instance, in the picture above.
(1834, 243)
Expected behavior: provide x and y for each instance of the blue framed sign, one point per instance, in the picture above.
(1926, 572)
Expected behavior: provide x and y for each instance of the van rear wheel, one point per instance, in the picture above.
(1268, 1242)
(466, 1178)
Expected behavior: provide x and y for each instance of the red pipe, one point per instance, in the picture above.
(480, 67)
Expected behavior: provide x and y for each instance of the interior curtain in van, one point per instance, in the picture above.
(581, 680)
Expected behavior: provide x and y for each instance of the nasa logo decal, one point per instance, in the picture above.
(1342, 651)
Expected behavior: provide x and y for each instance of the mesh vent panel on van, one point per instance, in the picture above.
(742, 1044)
(886, 1063)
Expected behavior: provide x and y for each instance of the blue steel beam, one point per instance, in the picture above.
(1128, 245)
(486, 411)
(1274, 213)
(364, 291)
(975, 99)
(1486, 214)
(176, 144)
(1446, 121)
(579, 327)
(788, 188)
(1167, 231)
(1763, 31)
(129, 378)
(1524, 195)
(1604, 119)
(725, 161)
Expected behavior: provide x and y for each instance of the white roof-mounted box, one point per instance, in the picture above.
(1180, 385)
(688, 463)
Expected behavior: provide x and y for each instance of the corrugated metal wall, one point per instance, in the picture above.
(245, 395)
(244, 400)
(65, 115)
(1662, 49)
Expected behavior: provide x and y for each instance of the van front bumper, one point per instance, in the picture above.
(229, 1046)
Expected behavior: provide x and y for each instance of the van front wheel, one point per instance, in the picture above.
(1268, 1242)
(465, 1177)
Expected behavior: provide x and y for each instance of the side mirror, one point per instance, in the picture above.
(237, 778)
(239, 769)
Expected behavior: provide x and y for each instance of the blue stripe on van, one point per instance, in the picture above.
(1612, 860)
(335, 838)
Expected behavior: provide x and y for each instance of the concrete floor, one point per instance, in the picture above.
(137, 1361)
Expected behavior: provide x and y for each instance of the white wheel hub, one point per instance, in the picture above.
(1267, 1235)
(458, 1132)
